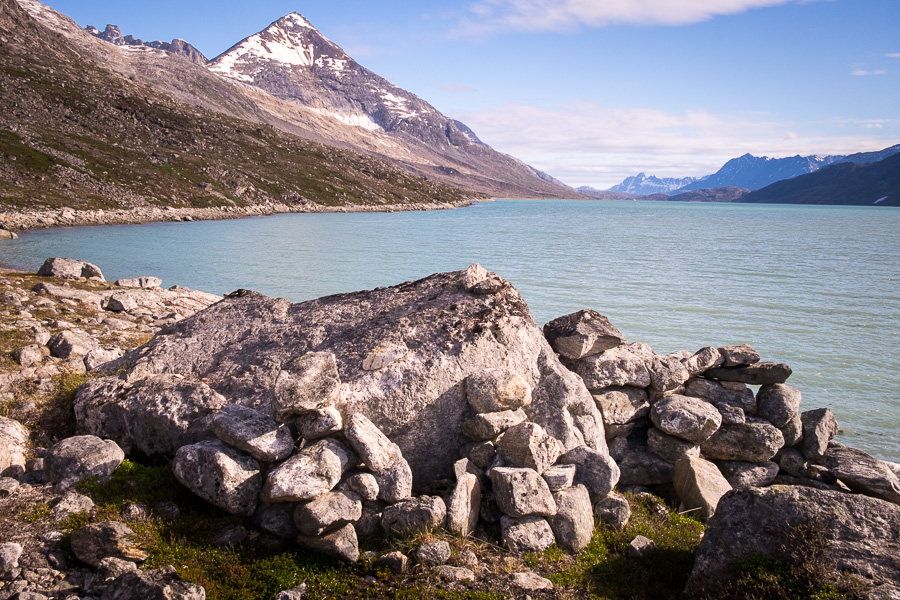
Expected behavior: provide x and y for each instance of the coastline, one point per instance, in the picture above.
(29, 219)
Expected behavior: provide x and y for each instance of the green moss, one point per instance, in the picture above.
(133, 482)
(26, 158)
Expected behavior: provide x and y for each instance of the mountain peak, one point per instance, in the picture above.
(293, 19)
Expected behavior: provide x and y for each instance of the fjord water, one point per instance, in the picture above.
(815, 287)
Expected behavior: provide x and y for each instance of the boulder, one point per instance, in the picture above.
(341, 543)
(496, 390)
(621, 405)
(777, 403)
(312, 471)
(597, 471)
(703, 360)
(6, 234)
(69, 269)
(736, 356)
(396, 561)
(819, 428)
(10, 552)
(253, 432)
(722, 393)
(396, 482)
(792, 431)
(13, 445)
(71, 343)
(69, 461)
(668, 447)
(791, 462)
(422, 513)
(746, 474)
(319, 423)
(581, 334)
(28, 356)
(481, 454)
(155, 584)
(559, 477)
(487, 426)
(365, 485)
(613, 510)
(464, 505)
(153, 416)
(641, 546)
(220, 474)
(121, 302)
(761, 373)
(92, 543)
(732, 415)
(146, 283)
(327, 512)
(860, 534)
(530, 582)
(526, 534)
(667, 373)
(277, 519)
(862, 473)
(433, 553)
(522, 492)
(699, 485)
(618, 366)
(308, 382)
(527, 445)
(382, 456)
(418, 401)
(753, 441)
(685, 417)
(70, 504)
(100, 356)
(573, 523)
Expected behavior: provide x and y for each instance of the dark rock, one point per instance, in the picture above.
(75, 458)
(156, 584)
(92, 543)
(861, 534)
(639, 466)
(395, 561)
(745, 474)
(614, 510)
(735, 356)
(668, 447)
(792, 431)
(277, 519)
(732, 415)
(778, 403)
(581, 334)
(721, 394)
(862, 473)
(753, 441)
(597, 471)
(327, 512)
(341, 543)
(791, 462)
(762, 373)
(481, 454)
(621, 405)
(819, 428)
(423, 513)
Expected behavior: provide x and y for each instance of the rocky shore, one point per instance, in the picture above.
(24, 220)
(392, 417)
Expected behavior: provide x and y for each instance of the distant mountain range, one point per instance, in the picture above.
(644, 185)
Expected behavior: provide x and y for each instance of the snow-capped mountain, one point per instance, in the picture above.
(292, 60)
(755, 172)
(644, 185)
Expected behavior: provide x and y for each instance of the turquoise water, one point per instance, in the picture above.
(815, 287)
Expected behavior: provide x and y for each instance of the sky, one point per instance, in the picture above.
(593, 91)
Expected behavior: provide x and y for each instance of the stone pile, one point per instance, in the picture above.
(691, 422)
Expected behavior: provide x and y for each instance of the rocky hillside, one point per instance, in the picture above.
(872, 184)
(721, 194)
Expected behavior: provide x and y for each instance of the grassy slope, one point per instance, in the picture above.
(73, 134)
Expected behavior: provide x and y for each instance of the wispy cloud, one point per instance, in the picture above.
(564, 15)
(893, 55)
(456, 89)
(590, 144)
(864, 73)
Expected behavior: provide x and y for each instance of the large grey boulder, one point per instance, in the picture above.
(69, 461)
(581, 334)
(753, 441)
(699, 485)
(668, 447)
(819, 428)
(522, 492)
(495, 390)
(863, 473)
(778, 403)
(527, 445)
(861, 534)
(689, 418)
(703, 360)
(13, 445)
(327, 512)
(154, 416)
(69, 269)
(618, 366)
(253, 432)
(71, 343)
(573, 523)
(722, 393)
(526, 534)
(423, 513)
(312, 471)
(155, 584)
(597, 471)
(417, 400)
(220, 474)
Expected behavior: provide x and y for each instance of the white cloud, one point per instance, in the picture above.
(893, 55)
(590, 144)
(563, 15)
(864, 73)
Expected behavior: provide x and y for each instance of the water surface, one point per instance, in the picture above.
(815, 287)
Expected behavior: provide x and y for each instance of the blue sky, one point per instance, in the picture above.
(595, 91)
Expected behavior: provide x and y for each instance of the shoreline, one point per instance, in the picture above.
(31, 219)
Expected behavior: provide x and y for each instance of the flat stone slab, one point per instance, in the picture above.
(253, 432)
(761, 373)
(313, 470)
(863, 473)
